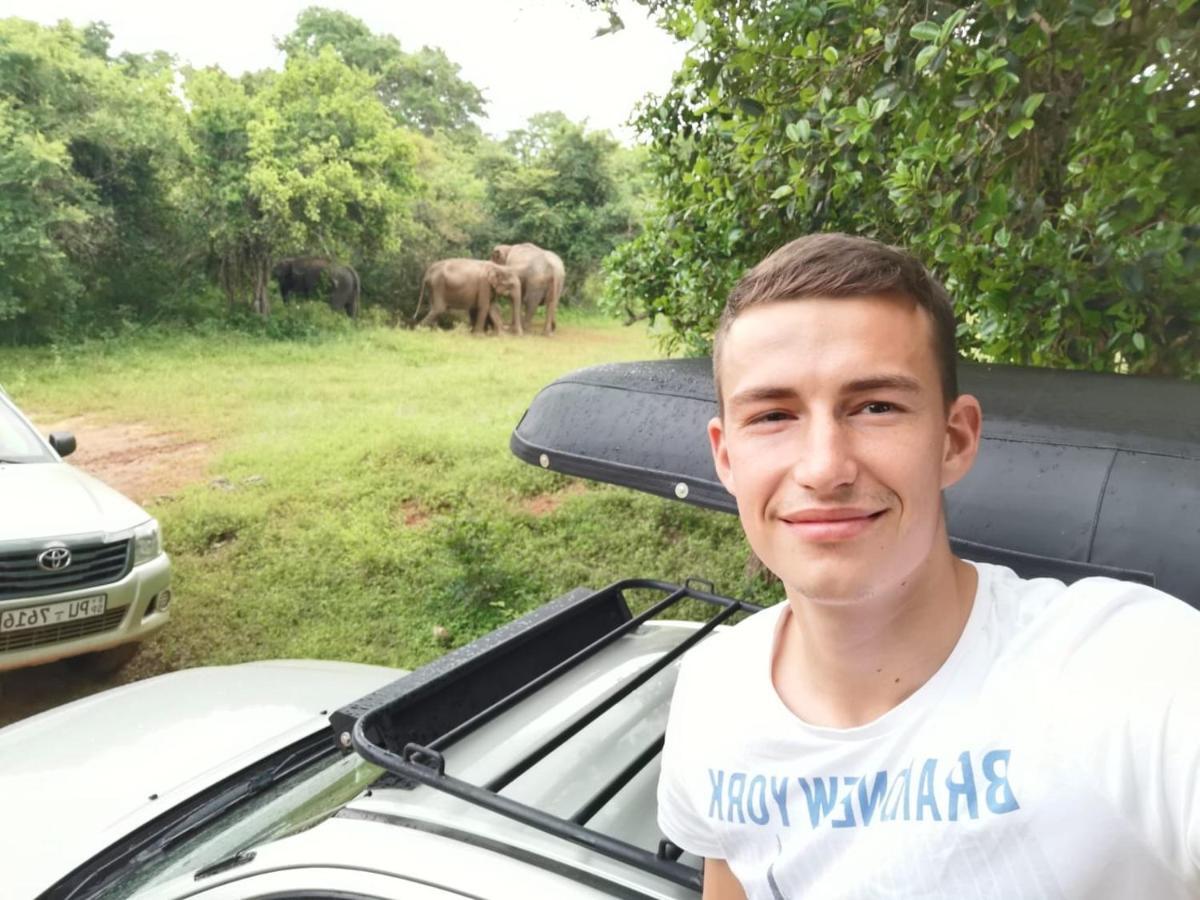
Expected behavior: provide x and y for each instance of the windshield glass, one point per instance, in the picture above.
(293, 805)
(19, 442)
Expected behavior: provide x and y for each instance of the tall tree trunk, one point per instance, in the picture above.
(260, 268)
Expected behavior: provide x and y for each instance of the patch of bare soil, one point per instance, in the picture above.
(412, 514)
(144, 463)
(545, 504)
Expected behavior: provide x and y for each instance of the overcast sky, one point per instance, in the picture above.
(527, 56)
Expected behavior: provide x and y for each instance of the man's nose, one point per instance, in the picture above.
(824, 456)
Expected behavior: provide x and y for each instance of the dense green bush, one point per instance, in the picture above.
(1039, 156)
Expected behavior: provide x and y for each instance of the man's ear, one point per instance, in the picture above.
(720, 452)
(964, 424)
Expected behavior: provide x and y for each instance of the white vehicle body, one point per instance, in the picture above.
(122, 757)
(82, 568)
(131, 754)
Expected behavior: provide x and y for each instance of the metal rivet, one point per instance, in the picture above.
(344, 740)
(681, 490)
(544, 460)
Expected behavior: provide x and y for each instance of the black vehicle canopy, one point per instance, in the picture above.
(1078, 474)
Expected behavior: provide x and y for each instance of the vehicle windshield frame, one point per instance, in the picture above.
(20, 442)
(173, 843)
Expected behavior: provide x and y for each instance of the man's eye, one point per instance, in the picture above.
(775, 415)
(879, 407)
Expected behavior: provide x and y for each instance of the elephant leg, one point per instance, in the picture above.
(437, 306)
(531, 307)
(494, 317)
(516, 315)
(551, 315)
(483, 306)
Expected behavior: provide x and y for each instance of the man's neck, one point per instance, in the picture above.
(844, 665)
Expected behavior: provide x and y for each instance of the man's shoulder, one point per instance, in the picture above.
(1114, 623)
(1084, 600)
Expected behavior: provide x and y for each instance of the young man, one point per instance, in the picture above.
(909, 724)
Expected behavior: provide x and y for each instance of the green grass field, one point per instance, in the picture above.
(388, 503)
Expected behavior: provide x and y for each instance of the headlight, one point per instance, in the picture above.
(147, 542)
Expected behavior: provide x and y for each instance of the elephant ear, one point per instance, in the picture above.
(500, 253)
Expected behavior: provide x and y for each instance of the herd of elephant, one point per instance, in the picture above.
(525, 273)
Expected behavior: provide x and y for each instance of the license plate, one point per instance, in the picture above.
(53, 613)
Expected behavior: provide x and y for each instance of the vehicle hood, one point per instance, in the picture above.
(55, 500)
(77, 778)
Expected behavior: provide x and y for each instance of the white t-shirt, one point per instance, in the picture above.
(1056, 753)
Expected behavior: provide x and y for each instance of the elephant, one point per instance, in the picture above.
(470, 284)
(542, 276)
(316, 276)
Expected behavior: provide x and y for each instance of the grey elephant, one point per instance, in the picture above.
(471, 285)
(316, 276)
(542, 276)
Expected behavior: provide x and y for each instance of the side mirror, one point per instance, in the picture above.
(63, 442)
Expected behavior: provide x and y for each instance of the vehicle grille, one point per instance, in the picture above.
(91, 564)
(54, 634)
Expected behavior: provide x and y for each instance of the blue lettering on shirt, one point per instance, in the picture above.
(717, 778)
(868, 802)
(779, 792)
(926, 798)
(737, 790)
(924, 794)
(1000, 797)
(847, 819)
(896, 795)
(820, 797)
(961, 789)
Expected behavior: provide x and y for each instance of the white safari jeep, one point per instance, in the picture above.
(524, 765)
(82, 568)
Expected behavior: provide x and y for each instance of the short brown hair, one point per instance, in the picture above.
(840, 265)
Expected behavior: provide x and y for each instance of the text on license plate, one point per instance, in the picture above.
(53, 613)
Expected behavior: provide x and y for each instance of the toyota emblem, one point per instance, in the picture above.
(54, 559)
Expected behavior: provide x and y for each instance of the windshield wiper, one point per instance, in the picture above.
(91, 879)
(11, 462)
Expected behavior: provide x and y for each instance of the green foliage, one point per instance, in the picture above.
(556, 184)
(308, 158)
(89, 150)
(1038, 156)
(422, 90)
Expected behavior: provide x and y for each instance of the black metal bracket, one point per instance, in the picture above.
(405, 727)
(423, 756)
(668, 851)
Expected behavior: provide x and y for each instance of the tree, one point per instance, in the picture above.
(305, 159)
(447, 218)
(422, 90)
(89, 150)
(1037, 156)
(554, 183)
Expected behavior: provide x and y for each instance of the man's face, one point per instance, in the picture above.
(836, 442)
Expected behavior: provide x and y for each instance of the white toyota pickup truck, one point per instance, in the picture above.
(82, 568)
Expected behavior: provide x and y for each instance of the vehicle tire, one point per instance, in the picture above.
(105, 662)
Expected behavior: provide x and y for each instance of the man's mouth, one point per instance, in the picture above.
(831, 524)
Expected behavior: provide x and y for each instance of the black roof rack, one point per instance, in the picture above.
(406, 727)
